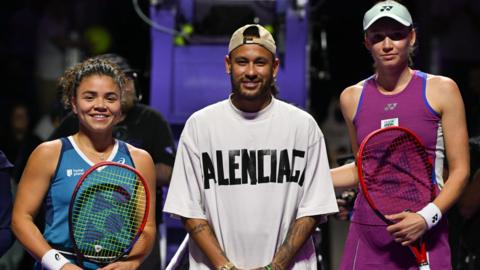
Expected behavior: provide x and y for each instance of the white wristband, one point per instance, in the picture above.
(431, 213)
(53, 260)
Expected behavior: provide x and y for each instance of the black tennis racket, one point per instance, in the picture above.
(108, 211)
(395, 176)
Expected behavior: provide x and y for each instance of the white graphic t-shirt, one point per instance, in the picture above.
(251, 175)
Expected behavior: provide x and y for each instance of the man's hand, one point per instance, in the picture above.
(343, 211)
(408, 227)
(345, 202)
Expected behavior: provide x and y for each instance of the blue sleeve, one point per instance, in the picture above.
(6, 236)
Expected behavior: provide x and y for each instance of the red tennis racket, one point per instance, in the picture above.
(108, 211)
(395, 176)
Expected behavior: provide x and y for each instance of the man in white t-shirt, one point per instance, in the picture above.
(251, 178)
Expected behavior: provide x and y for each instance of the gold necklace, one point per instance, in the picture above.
(100, 155)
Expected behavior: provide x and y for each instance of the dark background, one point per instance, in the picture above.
(345, 61)
(448, 35)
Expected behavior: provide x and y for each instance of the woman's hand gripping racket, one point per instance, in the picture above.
(395, 176)
(108, 211)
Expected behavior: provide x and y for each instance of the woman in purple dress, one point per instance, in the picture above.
(429, 105)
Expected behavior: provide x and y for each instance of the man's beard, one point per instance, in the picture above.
(265, 90)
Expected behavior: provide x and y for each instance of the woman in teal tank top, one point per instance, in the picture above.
(93, 90)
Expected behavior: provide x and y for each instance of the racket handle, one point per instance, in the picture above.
(424, 267)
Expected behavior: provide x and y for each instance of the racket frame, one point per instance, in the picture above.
(80, 256)
(419, 248)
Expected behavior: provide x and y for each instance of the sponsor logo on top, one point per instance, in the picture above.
(75, 172)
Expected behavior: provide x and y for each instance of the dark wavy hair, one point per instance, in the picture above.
(73, 76)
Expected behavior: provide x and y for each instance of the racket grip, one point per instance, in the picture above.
(424, 267)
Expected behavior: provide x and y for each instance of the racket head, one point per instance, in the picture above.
(395, 172)
(108, 211)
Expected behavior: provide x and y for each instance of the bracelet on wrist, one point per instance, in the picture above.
(53, 260)
(268, 267)
(432, 214)
(227, 266)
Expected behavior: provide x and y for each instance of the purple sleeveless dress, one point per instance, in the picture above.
(369, 245)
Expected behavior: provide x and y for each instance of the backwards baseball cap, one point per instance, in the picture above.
(390, 9)
(252, 34)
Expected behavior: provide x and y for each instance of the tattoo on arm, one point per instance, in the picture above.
(199, 228)
(297, 234)
(203, 230)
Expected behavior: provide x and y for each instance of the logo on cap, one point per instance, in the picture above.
(386, 8)
(247, 40)
(390, 9)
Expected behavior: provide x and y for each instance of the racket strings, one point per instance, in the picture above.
(397, 172)
(107, 212)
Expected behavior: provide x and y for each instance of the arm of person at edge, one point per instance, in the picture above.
(444, 97)
(202, 233)
(6, 235)
(144, 164)
(32, 188)
(469, 203)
